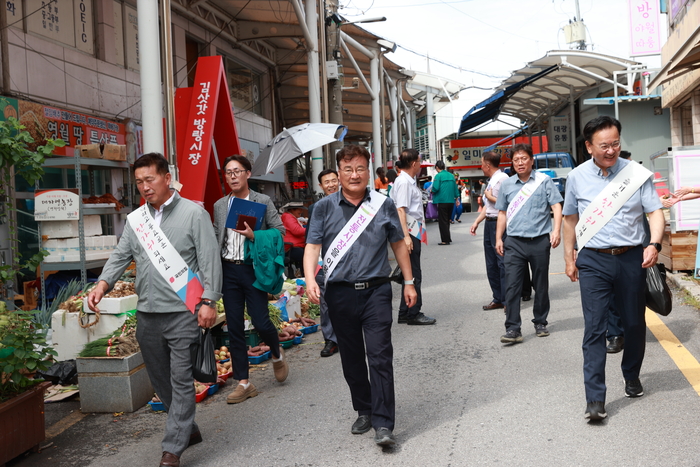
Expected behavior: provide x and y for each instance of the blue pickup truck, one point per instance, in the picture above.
(557, 165)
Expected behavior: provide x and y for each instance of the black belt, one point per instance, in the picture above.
(616, 250)
(234, 261)
(364, 285)
(491, 218)
(527, 239)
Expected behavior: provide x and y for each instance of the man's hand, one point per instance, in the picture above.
(206, 316)
(313, 291)
(409, 243)
(472, 229)
(572, 271)
(247, 233)
(651, 255)
(555, 238)
(96, 294)
(499, 246)
(457, 202)
(410, 295)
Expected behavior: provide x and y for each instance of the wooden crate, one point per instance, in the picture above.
(679, 249)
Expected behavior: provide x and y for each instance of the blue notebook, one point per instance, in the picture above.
(242, 209)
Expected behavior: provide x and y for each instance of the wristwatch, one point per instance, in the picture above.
(207, 302)
(409, 282)
(657, 246)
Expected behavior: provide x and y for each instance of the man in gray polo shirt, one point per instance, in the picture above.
(523, 211)
(358, 291)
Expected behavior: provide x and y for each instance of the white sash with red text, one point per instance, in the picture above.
(609, 201)
(165, 258)
(524, 195)
(351, 231)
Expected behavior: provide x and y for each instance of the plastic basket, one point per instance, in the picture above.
(157, 406)
(212, 389)
(259, 359)
(297, 339)
(202, 395)
(252, 338)
(287, 344)
(309, 329)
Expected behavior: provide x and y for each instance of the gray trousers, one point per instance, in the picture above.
(165, 340)
(326, 326)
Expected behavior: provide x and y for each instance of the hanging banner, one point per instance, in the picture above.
(645, 37)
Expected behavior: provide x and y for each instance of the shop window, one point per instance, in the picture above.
(244, 86)
(192, 48)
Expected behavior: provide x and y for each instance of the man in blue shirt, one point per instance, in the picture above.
(610, 265)
(523, 211)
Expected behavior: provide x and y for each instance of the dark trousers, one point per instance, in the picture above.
(296, 257)
(495, 271)
(519, 255)
(417, 277)
(444, 213)
(238, 293)
(165, 340)
(606, 280)
(362, 322)
(326, 325)
(614, 323)
(527, 284)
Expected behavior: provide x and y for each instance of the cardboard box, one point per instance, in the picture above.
(90, 151)
(114, 152)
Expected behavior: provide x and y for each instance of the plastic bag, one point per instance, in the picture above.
(203, 359)
(63, 373)
(658, 295)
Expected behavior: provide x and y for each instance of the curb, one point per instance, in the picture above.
(685, 282)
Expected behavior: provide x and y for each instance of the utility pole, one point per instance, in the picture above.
(335, 86)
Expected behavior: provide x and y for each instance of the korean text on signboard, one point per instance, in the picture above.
(645, 38)
(56, 205)
(199, 127)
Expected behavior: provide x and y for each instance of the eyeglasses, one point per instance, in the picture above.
(605, 147)
(235, 172)
(348, 171)
(520, 160)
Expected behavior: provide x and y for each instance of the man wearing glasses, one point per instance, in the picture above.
(238, 290)
(523, 212)
(351, 228)
(606, 200)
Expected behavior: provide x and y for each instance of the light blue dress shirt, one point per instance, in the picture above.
(626, 228)
(533, 218)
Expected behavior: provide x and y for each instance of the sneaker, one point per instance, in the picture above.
(330, 348)
(384, 437)
(595, 411)
(633, 388)
(541, 330)
(511, 337)
(241, 393)
(281, 368)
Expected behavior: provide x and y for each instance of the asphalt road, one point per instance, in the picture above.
(463, 398)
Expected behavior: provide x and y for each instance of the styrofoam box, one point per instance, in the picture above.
(294, 307)
(114, 306)
(69, 338)
(68, 249)
(68, 229)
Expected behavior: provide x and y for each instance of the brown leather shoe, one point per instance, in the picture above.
(281, 368)
(169, 460)
(241, 393)
(493, 306)
(195, 438)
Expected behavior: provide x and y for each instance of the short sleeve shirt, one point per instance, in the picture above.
(626, 228)
(367, 258)
(532, 220)
(495, 186)
(406, 194)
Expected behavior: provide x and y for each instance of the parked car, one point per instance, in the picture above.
(557, 165)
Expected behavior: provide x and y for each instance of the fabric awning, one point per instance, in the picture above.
(489, 109)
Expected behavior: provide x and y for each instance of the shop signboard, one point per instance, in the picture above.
(76, 129)
(57, 205)
(645, 37)
(676, 8)
(558, 134)
(467, 153)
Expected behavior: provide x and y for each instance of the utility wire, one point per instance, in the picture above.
(28, 14)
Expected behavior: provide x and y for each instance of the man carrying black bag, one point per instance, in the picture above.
(179, 277)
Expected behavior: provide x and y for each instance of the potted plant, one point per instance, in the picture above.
(23, 351)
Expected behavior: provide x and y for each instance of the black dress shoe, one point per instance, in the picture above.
(420, 320)
(615, 344)
(493, 306)
(195, 438)
(402, 319)
(330, 348)
(384, 437)
(362, 425)
(527, 298)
